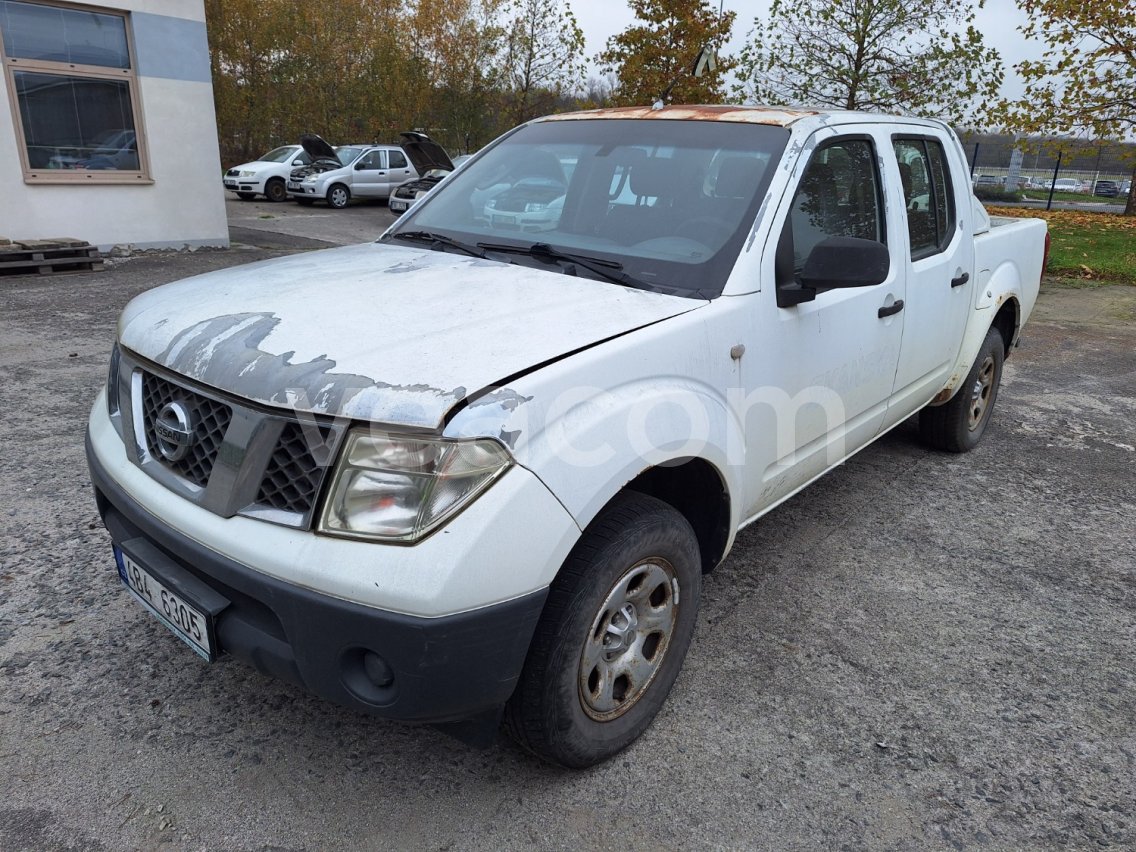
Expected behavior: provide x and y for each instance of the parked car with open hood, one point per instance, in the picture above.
(336, 175)
(407, 193)
(267, 174)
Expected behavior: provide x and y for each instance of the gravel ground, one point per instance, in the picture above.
(920, 651)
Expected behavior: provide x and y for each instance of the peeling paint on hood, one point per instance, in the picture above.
(376, 332)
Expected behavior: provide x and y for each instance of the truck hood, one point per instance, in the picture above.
(378, 332)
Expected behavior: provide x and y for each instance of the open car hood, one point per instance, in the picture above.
(316, 148)
(425, 153)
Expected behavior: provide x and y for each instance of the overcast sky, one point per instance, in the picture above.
(998, 23)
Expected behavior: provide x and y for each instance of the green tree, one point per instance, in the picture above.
(543, 61)
(924, 58)
(1085, 83)
(660, 48)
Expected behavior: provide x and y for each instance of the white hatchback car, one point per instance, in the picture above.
(266, 175)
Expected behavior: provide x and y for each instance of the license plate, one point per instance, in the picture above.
(295, 186)
(232, 184)
(181, 616)
(398, 205)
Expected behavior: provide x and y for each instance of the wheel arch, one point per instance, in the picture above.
(697, 490)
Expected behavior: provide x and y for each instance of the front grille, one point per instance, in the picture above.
(292, 479)
(210, 419)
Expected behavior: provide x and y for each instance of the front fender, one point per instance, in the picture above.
(587, 443)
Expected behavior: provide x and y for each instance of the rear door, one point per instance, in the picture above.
(939, 265)
(400, 170)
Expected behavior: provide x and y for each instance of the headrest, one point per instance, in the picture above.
(737, 177)
(654, 176)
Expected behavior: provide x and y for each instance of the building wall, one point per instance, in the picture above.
(184, 205)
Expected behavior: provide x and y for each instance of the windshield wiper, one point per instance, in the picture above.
(609, 269)
(437, 240)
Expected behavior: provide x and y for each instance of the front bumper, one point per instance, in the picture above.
(233, 184)
(442, 670)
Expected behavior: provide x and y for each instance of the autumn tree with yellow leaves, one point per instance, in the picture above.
(1085, 83)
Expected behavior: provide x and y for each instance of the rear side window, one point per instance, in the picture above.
(397, 160)
(928, 195)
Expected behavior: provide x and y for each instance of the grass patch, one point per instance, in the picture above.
(1088, 247)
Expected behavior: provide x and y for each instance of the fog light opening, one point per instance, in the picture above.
(377, 670)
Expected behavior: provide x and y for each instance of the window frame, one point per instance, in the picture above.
(142, 174)
(943, 243)
(785, 271)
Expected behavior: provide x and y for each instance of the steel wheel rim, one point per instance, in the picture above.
(628, 640)
(276, 192)
(981, 392)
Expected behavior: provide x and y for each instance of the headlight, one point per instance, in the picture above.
(247, 174)
(311, 178)
(535, 207)
(399, 488)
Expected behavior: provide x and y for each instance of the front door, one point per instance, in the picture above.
(818, 386)
(370, 179)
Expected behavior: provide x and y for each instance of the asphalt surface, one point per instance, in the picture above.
(919, 651)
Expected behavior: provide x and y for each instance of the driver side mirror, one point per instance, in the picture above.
(837, 262)
(297, 162)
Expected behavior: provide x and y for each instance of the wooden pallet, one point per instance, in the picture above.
(44, 258)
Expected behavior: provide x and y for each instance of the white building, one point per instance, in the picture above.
(107, 126)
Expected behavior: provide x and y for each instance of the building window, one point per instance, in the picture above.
(72, 84)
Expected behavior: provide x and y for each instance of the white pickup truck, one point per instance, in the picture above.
(477, 470)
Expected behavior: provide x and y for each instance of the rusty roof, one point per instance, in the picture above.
(780, 116)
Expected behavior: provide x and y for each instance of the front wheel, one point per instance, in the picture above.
(275, 190)
(338, 196)
(957, 426)
(613, 635)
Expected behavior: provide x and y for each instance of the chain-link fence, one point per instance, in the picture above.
(1076, 172)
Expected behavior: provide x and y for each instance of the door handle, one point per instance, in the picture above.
(894, 308)
(960, 280)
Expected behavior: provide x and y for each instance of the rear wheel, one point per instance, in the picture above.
(957, 426)
(338, 196)
(613, 635)
(275, 190)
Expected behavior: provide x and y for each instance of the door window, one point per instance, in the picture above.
(838, 196)
(927, 194)
(397, 160)
(372, 160)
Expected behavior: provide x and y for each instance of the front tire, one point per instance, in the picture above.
(338, 196)
(275, 190)
(957, 426)
(614, 632)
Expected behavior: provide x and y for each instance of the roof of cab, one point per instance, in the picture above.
(781, 116)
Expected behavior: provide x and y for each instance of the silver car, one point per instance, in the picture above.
(336, 175)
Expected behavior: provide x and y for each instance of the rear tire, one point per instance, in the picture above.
(957, 426)
(612, 637)
(275, 190)
(338, 196)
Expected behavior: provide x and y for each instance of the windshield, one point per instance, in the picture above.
(668, 202)
(347, 154)
(278, 155)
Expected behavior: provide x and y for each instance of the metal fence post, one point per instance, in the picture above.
(1052, 183)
